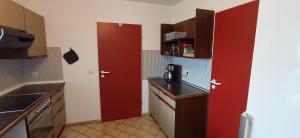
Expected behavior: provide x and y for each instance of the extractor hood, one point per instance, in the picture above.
(14, 38)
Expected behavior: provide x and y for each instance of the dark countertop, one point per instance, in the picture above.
(177, 90)
(37, 88)
(9, 120)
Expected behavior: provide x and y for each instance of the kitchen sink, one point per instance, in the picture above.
(17, 103)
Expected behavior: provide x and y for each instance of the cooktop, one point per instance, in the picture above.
(16, 103)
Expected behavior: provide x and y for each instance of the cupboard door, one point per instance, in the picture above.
(153, 105)
(59, 121)
(167, 119)
(35, 24)
(11, 14)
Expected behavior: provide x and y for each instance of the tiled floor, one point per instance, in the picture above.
(142, 127)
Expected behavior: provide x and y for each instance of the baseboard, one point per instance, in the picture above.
(145, 114)
(93, 121)
(83, 123)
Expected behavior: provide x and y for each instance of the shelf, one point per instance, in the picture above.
(186, 40)
(199, 33)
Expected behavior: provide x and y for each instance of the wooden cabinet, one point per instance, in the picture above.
(11, 14)
(18, 17)
(179, 117)
(199, 36)
(58, 112)
(35, 24)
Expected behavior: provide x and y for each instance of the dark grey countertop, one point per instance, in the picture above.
(9, 120)
(177, 90)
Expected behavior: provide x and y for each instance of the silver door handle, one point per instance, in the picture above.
(214, 82)
(104, 72)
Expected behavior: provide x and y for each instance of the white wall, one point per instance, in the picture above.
(274, 96)
(187, 8)
(72, 23)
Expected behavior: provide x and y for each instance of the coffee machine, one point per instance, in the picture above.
(173, 73)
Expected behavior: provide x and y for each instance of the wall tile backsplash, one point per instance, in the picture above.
(14, 72)
(154, 64)
(11, 73)
(199, 69)
(48, 69)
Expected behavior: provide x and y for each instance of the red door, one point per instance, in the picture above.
(119, 49)
(231, 67)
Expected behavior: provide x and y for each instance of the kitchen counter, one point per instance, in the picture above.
(9, 120)
(177, 90)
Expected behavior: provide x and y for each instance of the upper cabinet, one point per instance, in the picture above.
(192, 38)
(11, 14)
(15, 16)
(35, 24)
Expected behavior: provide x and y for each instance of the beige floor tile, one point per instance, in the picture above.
(140, 133)
(115, 133)
(139, 127)
(107, 136)
(154, 131)
(148, 135)
(124, 135)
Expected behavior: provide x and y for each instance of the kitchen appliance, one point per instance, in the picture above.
(173, 73)
(17, 103)
(39, 121)
(14, 38)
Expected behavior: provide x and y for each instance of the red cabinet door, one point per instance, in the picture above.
(120, 61)
(231, 66)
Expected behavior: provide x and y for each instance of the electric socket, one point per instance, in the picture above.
(35, 74)
(186, 73)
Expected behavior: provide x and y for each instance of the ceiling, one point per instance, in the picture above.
(161, 2)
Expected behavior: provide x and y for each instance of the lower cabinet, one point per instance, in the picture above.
(58, 112)
(180, 118)
(167, 119)
(162, 111)
(153, 105)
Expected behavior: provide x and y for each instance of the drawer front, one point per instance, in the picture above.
(167, 99)
(56, 97)
(154, 89)
(57, 106)
(59, 121)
